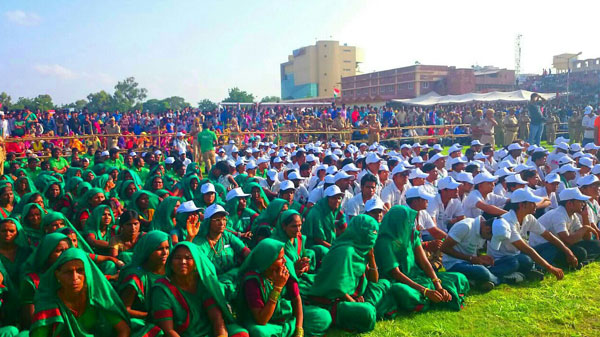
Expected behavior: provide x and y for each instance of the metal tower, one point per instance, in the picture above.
(518, 55)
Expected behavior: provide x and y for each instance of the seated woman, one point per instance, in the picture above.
(14, 247)
(121, 245)
(269, 299)
(126, 190)
(188, 188)
(7, 200)
(135, 281)
(403, 261)
(258, 198)
(52, 193)
(34, 197)
(9, 303)
(76, 300)
(164, 219)
(348, 283)
(187, 223)
(299, 259)
(145, 204)
(222, 248)
(31, 219)
(267, 219)
(153, 184)
(24, 185)
(99, 228)
(208, 197)
(320, 226)
(189, 300)
(240, 217)
(67, 201)
(91, 199)
(50, 248)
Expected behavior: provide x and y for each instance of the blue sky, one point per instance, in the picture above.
(199, 49)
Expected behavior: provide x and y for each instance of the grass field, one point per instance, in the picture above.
(570, 307)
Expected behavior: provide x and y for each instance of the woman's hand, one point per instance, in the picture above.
(193, 226)
(246, 235)
(302, 266)
(434, 296)
(281, 277)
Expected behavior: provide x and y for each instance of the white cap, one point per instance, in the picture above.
(105, 153)
(157, 152)
(562, 146)
(416, 160)
(417, 173)
(329, 179)
(587, 180)
(350, 168)
(588, 110)
(286, 185)
(251, 165)
(454, 148)
(457, 160)
(596, 169)
(384, 168)
(180, 134)
(338, 152)
(524, 195)
(565, 160)
(207, 188)
(187, 207)
(418, 192)
(240, 161)
(560, 139)
(399, 169)
(438, 147)
(332, 190)
(532, 147)
(321, 167)
(484, 177)
(572, 194)
(405, 146)
(575, 147)
(507, 164)
(585, 161)
(515, 179)
(232, 141)
(132, 153)
(436, 157)
(294, 176)
(552, 178)
(567, 168)
(311, 158)
(221, 150)
(214, 209)
(372, 158)
(277, 160)
(480, 155)
(331, 169)
(262, 160)
(230, 162)
(514, 146)
(234, 149)
(182, 152)
(465, 177)
(522, 167)
(447, 183)
(475, 142)
(236, 193)
(591, 146)
(503, 172)
(374, 203)
(254, 150)
(416, 145)
(272, 174)
(169, 160)
(341, 174)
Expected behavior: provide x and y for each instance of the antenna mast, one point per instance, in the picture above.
(518, 55)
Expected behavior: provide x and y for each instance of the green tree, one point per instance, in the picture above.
(100, 101)
(207, 105)
(43, 102)
(23, 103)
(5, 100)
(176, 103)
(238, 96)
(154, 105)
(270, 99)
(128, 94)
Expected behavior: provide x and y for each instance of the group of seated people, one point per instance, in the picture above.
(283, 240)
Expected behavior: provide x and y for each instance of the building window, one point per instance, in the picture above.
(325, 56)
(425, 85)
(325, 45)
(325, 90)
(347, 61)
(410, 86)
(347, 50)
(324, 74)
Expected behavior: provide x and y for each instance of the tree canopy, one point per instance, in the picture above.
(238, 96)
(270, 99)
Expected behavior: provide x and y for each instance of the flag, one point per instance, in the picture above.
(336, 92)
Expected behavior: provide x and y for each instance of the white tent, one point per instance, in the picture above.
(434, 98)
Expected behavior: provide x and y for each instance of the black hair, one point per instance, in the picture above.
(469, 152)
(368, 178)
(486, 149)
(346, 161)
(528, 174)
(127, 216)
(409, 201)
(432, 153)
(428, 167)
(511, 186)
(489, 218)
(304, 167)
(328, 160)
(537, 155)
(471, 168)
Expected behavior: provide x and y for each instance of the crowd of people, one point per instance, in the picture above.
(260, 236)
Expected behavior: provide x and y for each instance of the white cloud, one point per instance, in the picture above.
(22, 18)
(55, 70)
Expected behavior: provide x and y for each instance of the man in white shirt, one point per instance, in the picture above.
(393, 194)
(548, 190)
(439, 161)
(481, 199)
(418, 199)
(356, 205)
(301, 194)
(564, 223)
(373, 163)
(589, 117)
(445, 209)
(567, 174)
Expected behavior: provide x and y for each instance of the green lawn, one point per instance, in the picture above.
(570, 307)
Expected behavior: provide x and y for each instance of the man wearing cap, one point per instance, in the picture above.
(564, 222)
(439, 161)
(511, 127)
(482, 199)
(446, 209)
(588, 186)
(567, 173)
(356, 205)
(487, 125)
(373, 163)
(207, 139)
(589, 117)
(375, 208)
(548, 190)
(393, 194)
(514, 154)
(431, 179)
(324, 222)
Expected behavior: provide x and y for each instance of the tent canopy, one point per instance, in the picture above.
(434, 98)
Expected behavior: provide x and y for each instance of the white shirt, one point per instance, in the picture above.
(467, 234)
(301, 195)
(424, 221)
(555, 221)
(355, 206)
(542, 192)
(499, 190)
(507, 230)
(443, 214)
(588, 122)
(593, 209)
(316, 194)
(393, 196)
(470, 203)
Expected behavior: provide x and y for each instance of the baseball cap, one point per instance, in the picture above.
(567, 168)
(236, 193)
(475, 142)
(454, 148)
(384, 167)
(332, 191)
(417, 173)
(157, 152)
(562, 146)
(294, 176)
(272, 174)
(169, 160)
(372, 158)
(572, 193)
(207, 188)
(524, 195)
(503, 172)
(262, 160)
(596, 169)
(341, 174)
(514, 146)
(180, 134)
(465, 177)
(329, 179)
(105, 153)
(591, 146)
(187, 207)
(418, 192)
(552, 178)
(484, 177)
(575, 147)
(506, 164)
(350, 168)
(240, 161)
(587, 180)
(436, 157)
(457, 160)
(286, 185)
(399, 169)
(251, 165)
(374, 203)
(331, 169)
(214, 209)
(522, 167)
(586, 162)
(417, 160)
(515, 179)
(447, 183)
(438, 147)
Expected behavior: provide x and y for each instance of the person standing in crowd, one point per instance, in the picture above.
(589, 117)
(208, 140)
(551, 127)
(537, 119)
(524, 123)
(487, 125)
(511, 127)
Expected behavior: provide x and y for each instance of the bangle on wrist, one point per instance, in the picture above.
(436, 280)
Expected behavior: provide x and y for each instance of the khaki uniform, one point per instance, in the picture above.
(551, 128)
(487, 129)
(374, 130)
(338, 125)
(575, 133)
(511, 128)
(524, 121)
(499, 129)
(475, 130)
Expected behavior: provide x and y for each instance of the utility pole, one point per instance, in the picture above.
(518, 56)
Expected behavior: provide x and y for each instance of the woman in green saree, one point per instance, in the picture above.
(24, 185)
(189, 301)
(52, 193)
(34, 197)
(14, 248)
(348, 283)
(126, 190)
(48, 251)
(135, 281)
(7, 200)
(223, 249)
(67, 201)
(145, 204)
(105, 183)
(187, 223)
(154, 183)
(75, 299)
(164, 219)
(208, 197)
(402, 260)
(122, 244)
(189, 187)
(31, 219)
(240, 217)
(99, 228)
(269, 302)
(258, 198)
(267, 219)
(91, 199)
(9, 305)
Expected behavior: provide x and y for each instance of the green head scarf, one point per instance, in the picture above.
(100, 294)
(82, 188)
(33, 233)
(241, 179)
(53, 216)
(21, 239)
(92, 225)
(262, 256)
(188, 193)
(150, 182)
(233, 218)
(49, 183)
(320, 222)
(133, 176)
(192, 168)
(86, 173)
(293, 251)
(72, 184)
(397, 232)
(270, 215)
(123, 190)
(71, 173)
(84, 201)
(160, 193)
(25, 199)
(163, 220)
(152, 202)
(346, 262)
(30, 183)
(38, 261)
(248, 189)
(207, 276)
